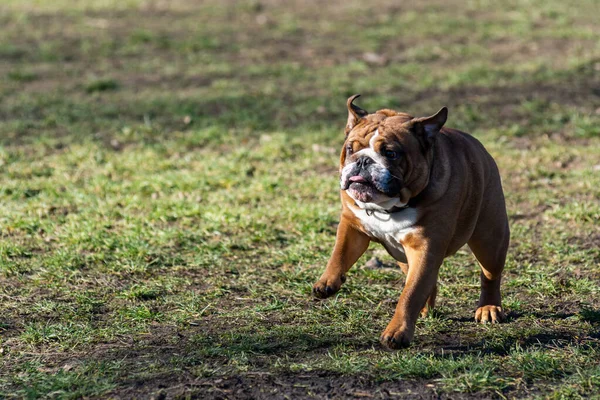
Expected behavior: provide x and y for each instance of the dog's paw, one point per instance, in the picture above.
(394, 337)
(486, 314)
(425, 311)
(327, 287)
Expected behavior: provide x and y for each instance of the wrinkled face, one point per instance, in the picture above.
(385, 156)
(372, 165)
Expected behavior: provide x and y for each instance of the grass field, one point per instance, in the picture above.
(169, 194)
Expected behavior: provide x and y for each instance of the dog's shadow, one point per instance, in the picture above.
(305, 341)
(503, 340)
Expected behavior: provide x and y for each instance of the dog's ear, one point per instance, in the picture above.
(355, 113)
(428, 127)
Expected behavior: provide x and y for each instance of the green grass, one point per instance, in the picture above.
(169, 195)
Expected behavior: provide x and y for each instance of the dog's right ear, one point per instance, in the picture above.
(355, 113)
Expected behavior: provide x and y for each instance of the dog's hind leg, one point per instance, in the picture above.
(489, 243)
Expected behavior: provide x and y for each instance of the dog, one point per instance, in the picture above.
(422, 191)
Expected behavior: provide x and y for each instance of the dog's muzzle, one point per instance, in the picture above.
(365, 178)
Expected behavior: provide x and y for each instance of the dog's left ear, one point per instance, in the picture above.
(429, 127)
(355, 113)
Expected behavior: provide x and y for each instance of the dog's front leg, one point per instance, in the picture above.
(350, 244)
(424, 264)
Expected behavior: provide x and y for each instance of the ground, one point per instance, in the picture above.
(169, 195)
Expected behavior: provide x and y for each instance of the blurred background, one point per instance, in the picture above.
(169, 193)
(89, 68)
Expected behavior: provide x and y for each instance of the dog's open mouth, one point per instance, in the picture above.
(361, 189)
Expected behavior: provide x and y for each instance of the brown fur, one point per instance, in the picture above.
(460, 201)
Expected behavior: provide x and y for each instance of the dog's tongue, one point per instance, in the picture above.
(357, 178)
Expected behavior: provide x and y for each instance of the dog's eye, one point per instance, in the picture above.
(391, 154)
(349, 148)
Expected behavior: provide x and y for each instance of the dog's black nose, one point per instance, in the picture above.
(363, 161)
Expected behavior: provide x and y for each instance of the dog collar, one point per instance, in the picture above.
(392, 210)
(396, 209)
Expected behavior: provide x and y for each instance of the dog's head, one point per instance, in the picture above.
(385, 159)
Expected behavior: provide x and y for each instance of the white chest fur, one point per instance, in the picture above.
(389, 229)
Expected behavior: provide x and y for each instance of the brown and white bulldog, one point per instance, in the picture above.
(422, 191)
